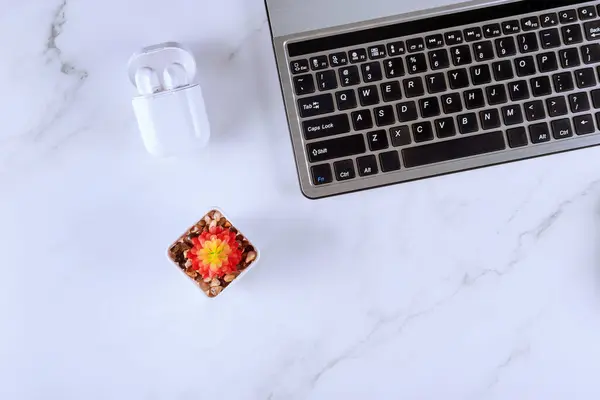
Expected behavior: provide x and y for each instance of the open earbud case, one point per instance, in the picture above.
(169, 105)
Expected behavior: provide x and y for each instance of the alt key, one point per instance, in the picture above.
(321, 174)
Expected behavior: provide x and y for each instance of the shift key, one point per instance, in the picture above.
(315, 105)
(335, 148)
(326, 126)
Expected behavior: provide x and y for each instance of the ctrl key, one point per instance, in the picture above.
(321, 174)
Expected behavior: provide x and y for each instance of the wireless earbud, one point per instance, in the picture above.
(147, 82)
(174, 76)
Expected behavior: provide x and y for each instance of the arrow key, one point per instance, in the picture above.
(584, 124)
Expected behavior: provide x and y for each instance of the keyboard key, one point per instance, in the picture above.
(453, 149)
(548, 20)
(467, 123)
(345, 99)
(453, 38)
(458, 79)
(596, 98)
(528, 42)
(480, 74)
(384, 115)
(579, 102)
(316, 105)
(541, 86)
(400, 136)
(436, 83)
(413, 87)
(371, 72)
(506, 47)
(416, 63)
(563, 82)
(473, 34)
(586, 13)
(474, 98)
(518, 90)
(318, 63)
(391, 91)
(539, 133)
(390, 161)
(585, 78)
(325, 126)
(357, 55)
(438, 59)
(550, 38)
(492, 31)
(349, 76)
(434, 41)
(326, 80)
(534, 110)
(444, 127)
(368, 96)
(496, 94)
(567, 16)
(321, 174)
(407, 111)
(335, 148)
(362, 120)
(530, 23)
(517, 137)
(512, 115)
(422, 131)
(414, 45)
(304, 84)
(377, 140)
(509, 27)
(393, 67)
(584, 124)
(557, 106)
(592, 30)
(547, 62)
(344, 170)
(591, 53)
(569, 58)
(299, 66)
(525, 66)
(490, 119)
(572, 34)
(483, 50)
(376, 52)
(430, 107)
(367, 165)
(561, 129)
(461, 55)
(503, 70)
(451, 103)
(396, 49)
(338, 59)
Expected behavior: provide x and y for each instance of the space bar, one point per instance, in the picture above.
(453, 149)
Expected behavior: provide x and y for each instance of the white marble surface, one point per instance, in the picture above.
(480, 285)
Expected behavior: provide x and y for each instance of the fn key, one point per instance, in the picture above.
(321, 174)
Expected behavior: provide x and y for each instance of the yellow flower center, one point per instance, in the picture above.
(214, 253)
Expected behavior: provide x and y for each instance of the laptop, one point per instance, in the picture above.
(383, 92)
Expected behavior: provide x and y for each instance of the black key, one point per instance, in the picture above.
(338, 59)
(598, 113)
(458, 79)
(367, 165)
(391, 91)
(384, 115)
(394, 67)
(584, 124)
(390, 161)
(534, 110)
(434, 41)
(349, 76)
(569, 58)
(396, 49)
(368, 96)
(567, 16)
(357, 55)
(480, 74)
(414, 45)
(400, 136)
(377, 140)
(445, 127)
(436, 83)
(591, 53)
(563, 82)
(530, 23)
(453, 38)
(541, 86)
(299, 66)
(585, 78)
(304, 84)
(315, 105)
(539, 133)
(345, 99)
(318, 63)
(321, 174)
(528, 42)
(517, 137)
(492, 31)
(483, 50)
(344, 170)
(362, 120)
(596, 98)
(474, 98)
(453, 149)
(490, 119)
(422, 131)
(430, 107)
(503, 70)
(557, 106)
(467, 123)
(518, 90)
(326, 80)
(550, 38)
(547, 62)
(561, 128)
(509, 27)
(525, 66)
(376, 52)
(416, 63)
(496, 94)
(512, 115)
(451, 103)
(413, 87)
(586, 13)
(335, 148)
(579, 102)
(506, 47)
(407, 111)
(438, 59)
(371, 72)
(461, 55)
(571, 34)
(548, 20)
(473, 34)
(325, 126)
(592, 30)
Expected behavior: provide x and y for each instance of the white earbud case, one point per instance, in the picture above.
(169, 105)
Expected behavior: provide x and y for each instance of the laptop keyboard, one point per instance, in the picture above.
(470, 90)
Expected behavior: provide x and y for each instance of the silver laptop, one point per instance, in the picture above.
(381, 92)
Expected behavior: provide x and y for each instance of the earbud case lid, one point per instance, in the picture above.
(170, 110)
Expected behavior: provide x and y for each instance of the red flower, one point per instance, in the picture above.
(215, 253)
